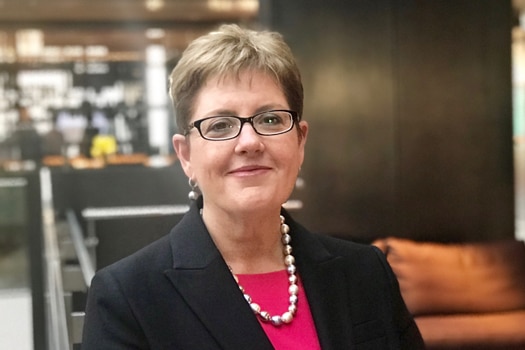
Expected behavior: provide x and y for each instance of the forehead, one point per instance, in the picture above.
(240, 93)
(245, 78)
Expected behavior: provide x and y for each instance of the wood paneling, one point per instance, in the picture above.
(182, 11)
(410, 111)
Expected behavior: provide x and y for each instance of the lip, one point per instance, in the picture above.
(249, 170)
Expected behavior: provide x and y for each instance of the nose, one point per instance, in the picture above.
(248, 140)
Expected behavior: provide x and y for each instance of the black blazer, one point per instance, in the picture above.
(178, 293)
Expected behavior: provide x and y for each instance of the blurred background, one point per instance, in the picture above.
(417, 130)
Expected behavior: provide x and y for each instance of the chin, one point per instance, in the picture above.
(258, 201)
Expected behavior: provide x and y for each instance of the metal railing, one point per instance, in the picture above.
(58, 338)
(64, 326)
(87, 265)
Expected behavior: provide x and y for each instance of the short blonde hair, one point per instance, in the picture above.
(228, 52)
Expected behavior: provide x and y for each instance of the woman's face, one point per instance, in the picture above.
(250, 171)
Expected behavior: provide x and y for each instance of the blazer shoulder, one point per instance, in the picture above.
(340, 246)
(361, 257)
(154, 257)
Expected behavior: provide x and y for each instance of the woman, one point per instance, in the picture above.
(237, 272)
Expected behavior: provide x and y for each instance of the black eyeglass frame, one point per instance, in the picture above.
(197, 124)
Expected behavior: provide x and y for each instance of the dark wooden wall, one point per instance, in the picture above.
(409, 105)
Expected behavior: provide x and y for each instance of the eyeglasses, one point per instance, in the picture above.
(220, 128)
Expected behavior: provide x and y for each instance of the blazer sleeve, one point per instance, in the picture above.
(409, 335)
(109, 322)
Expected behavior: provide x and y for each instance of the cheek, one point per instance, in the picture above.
(207, 160)
(293, 158)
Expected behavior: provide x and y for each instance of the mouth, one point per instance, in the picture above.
(249, 170)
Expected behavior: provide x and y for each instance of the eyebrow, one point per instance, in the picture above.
(230, 113)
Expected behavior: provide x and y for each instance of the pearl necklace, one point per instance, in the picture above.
(293, 289)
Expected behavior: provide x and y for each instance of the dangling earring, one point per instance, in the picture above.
(193, 194)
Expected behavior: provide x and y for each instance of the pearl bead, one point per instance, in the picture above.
(287, 317)
(192, 195)
(265, 316)
(248, 298)
(293, 289)
(289, 260)
(255, 307)
(276, 320)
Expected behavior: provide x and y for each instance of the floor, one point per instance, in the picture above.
(15, 319)
(15, 299)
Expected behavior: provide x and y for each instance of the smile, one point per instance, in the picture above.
(249, 170)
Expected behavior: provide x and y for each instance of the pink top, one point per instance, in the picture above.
(270, 291)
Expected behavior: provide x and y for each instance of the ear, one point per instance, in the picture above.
(303, 129)
(182, 149)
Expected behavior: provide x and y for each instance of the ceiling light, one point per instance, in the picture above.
(155, 33)
(230, 5)
(29, 42)
(96, 51)
(154, 5)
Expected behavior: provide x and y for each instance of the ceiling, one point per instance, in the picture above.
(124, 27)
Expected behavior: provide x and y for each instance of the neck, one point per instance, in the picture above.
(248, 243)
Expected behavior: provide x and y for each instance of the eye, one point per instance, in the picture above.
(272, 119)
(218, 125)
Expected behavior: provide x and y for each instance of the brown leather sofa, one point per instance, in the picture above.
(463, 296)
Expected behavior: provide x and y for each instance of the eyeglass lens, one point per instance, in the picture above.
(266, 123)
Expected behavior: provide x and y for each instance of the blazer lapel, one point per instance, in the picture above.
(204, 281)
(325, 285)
